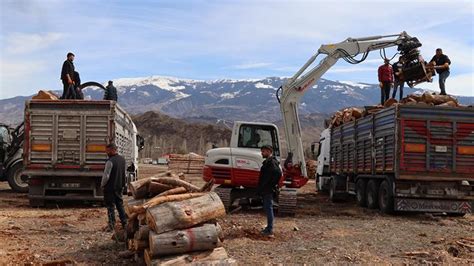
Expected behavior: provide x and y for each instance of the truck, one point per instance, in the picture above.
(236, 168)
(402, 158)
(11, 159)
(64, 148)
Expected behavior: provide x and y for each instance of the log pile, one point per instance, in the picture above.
(311, 168)
(45, 95)
(426, 99)
(173, 222)
(187, 163)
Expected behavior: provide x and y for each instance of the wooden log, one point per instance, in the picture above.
(147, 257)
(199, 238)
(156, 188)
(132, 225)
(141, 219)
(389, 102)
(142, 232)
(204, 257)
(140, 245)
(162, 199)
(427, 98)
(139, 188)
(184, 214)
(132, 202)
(176, 182)
(440, 99)
(174, 191)
(449, 103)
(208, 186)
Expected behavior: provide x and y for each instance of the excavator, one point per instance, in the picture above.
(236, 168)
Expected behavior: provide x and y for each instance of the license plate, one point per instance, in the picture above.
(70, 185)
(441, 149)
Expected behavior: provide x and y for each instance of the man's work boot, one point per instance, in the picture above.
(268, 233)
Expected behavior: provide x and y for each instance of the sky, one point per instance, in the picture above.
(210, 40)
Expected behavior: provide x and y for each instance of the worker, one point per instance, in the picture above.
(113, 183)
(77, 83)
(385, 73)
(398, 78)
(441, 64)
(67, 76)
(270, 174)
(110, 92)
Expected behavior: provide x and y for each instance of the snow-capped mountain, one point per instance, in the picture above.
(252, 99)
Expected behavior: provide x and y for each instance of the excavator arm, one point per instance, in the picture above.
(290, 93)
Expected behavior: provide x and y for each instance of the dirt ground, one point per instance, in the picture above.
(320, 232)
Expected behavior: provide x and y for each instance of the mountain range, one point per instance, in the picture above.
(221, 100)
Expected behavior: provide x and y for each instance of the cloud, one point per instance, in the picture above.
(21, 43)
(251, 65)
(351, 69)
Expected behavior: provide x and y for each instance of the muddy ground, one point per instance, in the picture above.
(320, 232)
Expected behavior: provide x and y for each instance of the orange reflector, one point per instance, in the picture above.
(465, 149)
(95, 148)
(414, 147)
(227, 181)
(41, 147)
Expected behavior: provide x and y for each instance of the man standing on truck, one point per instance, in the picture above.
(398, 78)
(385, 74)
(441, 63)
(270, 174)
(113, 182)
(110, 92)
(67, 75)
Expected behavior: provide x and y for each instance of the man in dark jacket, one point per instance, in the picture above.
(398, 78)
(67, 75)
(385, 74)
(113, 182)
(110, 92)
(441, 63)
(270, 174)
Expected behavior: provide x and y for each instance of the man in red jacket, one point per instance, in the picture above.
(385, 80)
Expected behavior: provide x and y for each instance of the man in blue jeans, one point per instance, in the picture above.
(441, 63)
(270, 174)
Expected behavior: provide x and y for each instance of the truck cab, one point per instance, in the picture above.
(322, 172)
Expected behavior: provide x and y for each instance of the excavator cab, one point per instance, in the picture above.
(255, 136)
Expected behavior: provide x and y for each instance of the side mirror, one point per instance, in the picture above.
(140, 142)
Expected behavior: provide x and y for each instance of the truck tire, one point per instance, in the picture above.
(334, 195)
(361, 195)
(386, 197)
(372, 194)
(16, 180)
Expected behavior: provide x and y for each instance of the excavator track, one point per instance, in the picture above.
(287, 201)
(225, 194)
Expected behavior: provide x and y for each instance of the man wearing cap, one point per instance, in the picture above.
(110, 92)
(441, 63)
(385, 74)
(67, 75)
(113, 182)
(270, 174)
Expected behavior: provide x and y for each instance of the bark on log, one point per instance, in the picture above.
(449, 103)
(184, 214)
(389, 102)
(218, 254)
(141, 219)
(156, 188)
(175, 182)
(143, 232)
(139, 188)
(174, 191)
(427, 97)
(162, 199)
(132, 225)
(147, 257)
(208, 186)
(132, 202)
(199, 238)
(440, 99)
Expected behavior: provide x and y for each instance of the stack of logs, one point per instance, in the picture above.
(187, 163)
(173, 222)
(426, 99)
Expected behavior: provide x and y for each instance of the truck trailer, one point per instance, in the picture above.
(402, 158)
(64, 148)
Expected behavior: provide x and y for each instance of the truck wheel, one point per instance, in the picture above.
(386, 197)
(372, 194)
(17, 181)
(361, 195)
(335, 196)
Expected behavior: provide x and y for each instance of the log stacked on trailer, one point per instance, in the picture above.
(426, 99)
(187, 163)
(173, 222)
